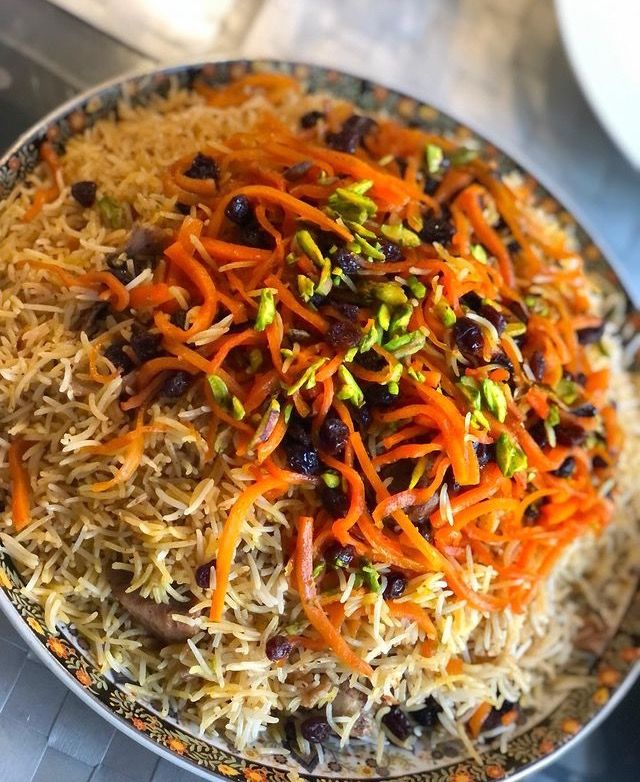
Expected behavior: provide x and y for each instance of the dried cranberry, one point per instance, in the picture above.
(238, 210)
(202, 167)
(397, 722)
(468, 337)
(333, 435)
(537, 364)
(203, 574)
(334, 501)
(436, 229)
(585, 411)
(343, 334)
(118, 357)
(310, 119)
(570, 435)
(485, 452)
(392, 252)
(361, 417)
(427, 716)
(497, 319)
(146, 346)
(176, 384)
(84, 192)
(278, 647)
(302, 458)
(351, 134)
(471, 300)
(297, 170)
(338, 556)
(591, 334)
(315, 729)
(346, 261)
(379, 396)
(396, 584)
(566, 469)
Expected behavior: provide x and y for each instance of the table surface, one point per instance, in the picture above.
(498, 65)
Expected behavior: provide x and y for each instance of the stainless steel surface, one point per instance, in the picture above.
(499, 65)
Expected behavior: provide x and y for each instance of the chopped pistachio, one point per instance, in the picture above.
(324, 283)
(319, 569)
(406, 344)
(383, 316)
(390, 293)
(553, 418)
(393, 388)
(510, 457)
(360, 229)
(286, 352)
(351, 203)
(307, 379)
(307, 244)
(567, 390)
(290, 258)
(361, 187)
(445, 313)
(396, 373)
(255, 359)
(218, 389)
(469, 387)
(536, 304)
(350, 354)
(267, 424)
(416, 287)
(495, 399)
(479, 419)
(306, 287)
(400, 235)
(400, 319)
(288, 409)
(331, 479)
(371, 338)
(350, 389)
(370, 576)
(418, 471)
(111, 212)
(266, 310)
(434, 156)
(415, 375)
(361, 246)
(479, 253)
(237, 408)
(515, 329)
(462, 156)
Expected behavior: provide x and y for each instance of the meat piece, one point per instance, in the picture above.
(145, 245)
(156, 618)
(91, 320)
(348, 702)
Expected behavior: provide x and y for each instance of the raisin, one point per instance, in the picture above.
(334, 501)
(297, 171)
(598, 462)
(346, 261)
(425, 528)
(497, 319)
(485, 453)
(585, 411)
(518, 310)
(379, 396)
(370, 360)
(343, 334)
(392, 252)
(278, 647)
(436, 229)
(253, 235)
(570, 435)
(361, 417)
(396, 584)
(238, 210)
(183, 209)
(146, 346)
(349, 311)
(311, 118)
(427, 716)
(351, 134)
(117, 356)
(333, 435)
(203, 574)
(468, 337)
(338, 556)
(566, 469)
(315, 730)
(539, 433)
(179, 319)
(84, 192)
(502, 359)
(298, 430)
(494, 719)
(92, 320)
(121, 268)
(202, 167)
(176, 384)
(537, 364)
(302, 458)
(590, 335)
(397, 722)
(471, 300)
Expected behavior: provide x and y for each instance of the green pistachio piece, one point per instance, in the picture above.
(434, 157)
(445, 313)
(416, 287)
(370, 576)
(324, 283)
(331, 479)
(237, 408)
(319, 569)
(307, 244)
(400, 235)
(288, 409)
(400, 319)
(371, 338)
(218, 389)
(394, 388)
(111, 212)
(390, 293)
(510, 457)
(462, 156)
(362, 247)
(266, 310)
(267, 424)
(350, 389)
(415, 375)
(495, 399)
(469, 387)
(306, 287)
(553, 419)
(350, 354)
(307, 378)
(515, 329)
(567, 390)
(255, 359)
(479, 253)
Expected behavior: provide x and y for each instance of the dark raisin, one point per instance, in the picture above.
(425, 528)
(531, 514)
(485, 452)
(590, 335)
(396, 584)
(297, 171)
(310, 119)
(436, 229)
(513, 246)
(471, 300)
(122, 268)
(118, 357)
(184, 209)
(427, 716)
(537, 364)
(176, 384)
(370, 360)
(392, 252)
(203, 574)
(338, 556)
(379, 396)
(518, 310)
(92, 320)
(570, 435)
(468, 337)
(202, 167)
(298, 430)
(317, 300)
(351, 134)
(253, 235)
(84, 192)
(402, 164)
(343, 334)
(333, 435)
(566, 469)
(278, 647)
(3, 503)
(238, 210)
(585, 411)
(346, 261)
(497, 319)
(494, 719)
(598, 463)
(350, 311)
(361, 417)
(146, 346)
(315, 729)
(580, 378)
(431, 184)
(539, 433)
(502, 359)
(334, 501)
(179, 319)
(397, 722)
(302, 458)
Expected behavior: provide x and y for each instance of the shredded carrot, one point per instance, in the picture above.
(20, 491)
(416, 614)
(46, 194)
(478, 718)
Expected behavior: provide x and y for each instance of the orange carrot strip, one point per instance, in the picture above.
(405, 610)
(20, 491)
(478, 718)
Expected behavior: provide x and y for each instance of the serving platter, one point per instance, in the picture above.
(608, 671)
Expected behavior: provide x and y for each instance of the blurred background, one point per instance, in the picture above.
(556, 84)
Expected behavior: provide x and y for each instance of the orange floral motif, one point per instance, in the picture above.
(228, 771)
(5, 581)
(460, 776)
(138, 723)
(58, 648)
(545, 746)
(570, 726)
(83, 677)
(600, 696)
(494, 771)
(35, 625)
(254, 775)
(608, 677)
(176, 745)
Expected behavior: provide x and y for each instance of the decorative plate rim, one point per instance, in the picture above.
(520, 161)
